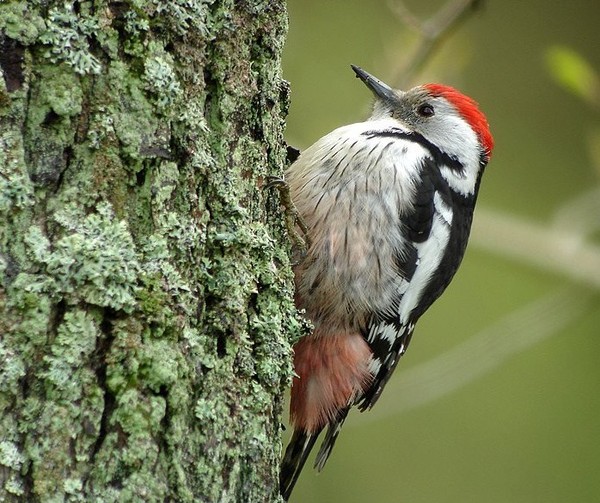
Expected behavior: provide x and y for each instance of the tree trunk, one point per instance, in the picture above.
(146, 293)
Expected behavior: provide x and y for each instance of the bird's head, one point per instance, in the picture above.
(442, 115)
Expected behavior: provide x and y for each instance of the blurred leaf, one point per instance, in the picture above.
(574, 73)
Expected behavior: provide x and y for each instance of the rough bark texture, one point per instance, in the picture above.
(145, 296)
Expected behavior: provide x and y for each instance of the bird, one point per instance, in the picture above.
(386, 205)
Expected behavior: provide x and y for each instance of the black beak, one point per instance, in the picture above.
(379, 89)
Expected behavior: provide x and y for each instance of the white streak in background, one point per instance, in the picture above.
(581, 215)
(557, 250)
(480, 354)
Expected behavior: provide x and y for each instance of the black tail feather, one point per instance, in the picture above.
(330, 437)
(295, 457)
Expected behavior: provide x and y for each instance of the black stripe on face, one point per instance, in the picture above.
(439, 156)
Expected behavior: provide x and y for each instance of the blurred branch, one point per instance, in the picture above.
(581, 214)
(480, 354)
(433, 31)
(560, 249)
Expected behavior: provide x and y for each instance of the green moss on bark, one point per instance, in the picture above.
(145, 289)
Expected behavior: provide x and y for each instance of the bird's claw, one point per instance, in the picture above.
(293, 220)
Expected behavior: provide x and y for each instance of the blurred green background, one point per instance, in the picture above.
(497, 400)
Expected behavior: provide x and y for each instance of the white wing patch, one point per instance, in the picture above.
(442, 208)
(375, 365)
(430, 254)
(388, 333)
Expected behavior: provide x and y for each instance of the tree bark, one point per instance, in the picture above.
(146, 292)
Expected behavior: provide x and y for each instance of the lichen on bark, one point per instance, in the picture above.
(145, 288)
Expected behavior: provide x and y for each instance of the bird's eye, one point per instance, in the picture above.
(425, 110)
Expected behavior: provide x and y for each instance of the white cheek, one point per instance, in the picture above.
(455, 138)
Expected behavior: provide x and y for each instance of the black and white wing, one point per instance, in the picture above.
(436, 230)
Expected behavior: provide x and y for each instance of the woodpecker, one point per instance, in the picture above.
(387, 206)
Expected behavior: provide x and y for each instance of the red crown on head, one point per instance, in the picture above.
(469, 110)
